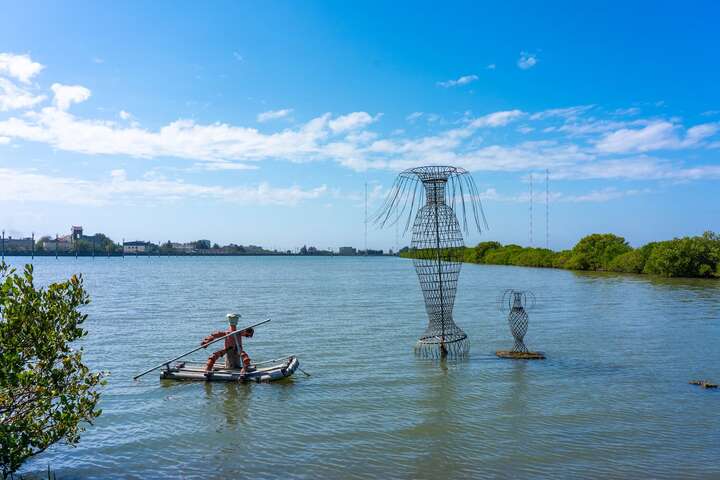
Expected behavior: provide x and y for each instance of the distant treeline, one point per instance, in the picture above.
(681, 257)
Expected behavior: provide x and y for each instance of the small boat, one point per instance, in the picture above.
(268, 371)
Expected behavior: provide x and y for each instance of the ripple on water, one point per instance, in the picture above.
(611, 400)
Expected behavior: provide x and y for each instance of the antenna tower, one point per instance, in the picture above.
(366, 219)
(531, 209)
(547, 208)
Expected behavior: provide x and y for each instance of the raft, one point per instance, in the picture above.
(268, 371)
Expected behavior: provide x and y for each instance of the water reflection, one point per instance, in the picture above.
(516, 401)
(692, 283)
(440, 428)
(612, 400)
(232, 399)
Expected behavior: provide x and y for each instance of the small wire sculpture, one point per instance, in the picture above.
(516, 303)
(437, 244)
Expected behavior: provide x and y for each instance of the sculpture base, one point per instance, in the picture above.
(703, 383)
(520, 355)
(430, 349)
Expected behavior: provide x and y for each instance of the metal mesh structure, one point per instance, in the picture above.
(517, 302)
(437, 243)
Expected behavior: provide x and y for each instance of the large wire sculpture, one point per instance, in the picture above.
(437, 244)
(516, 303)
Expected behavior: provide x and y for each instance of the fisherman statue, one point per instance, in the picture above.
(235, 356)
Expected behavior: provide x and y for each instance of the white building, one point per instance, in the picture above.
(136, 247)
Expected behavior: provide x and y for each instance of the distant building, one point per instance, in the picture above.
(76, 232)
(183, 247)
(136, 247)
(59, 244)
(347, 251)
(370, 252)
(18, 244)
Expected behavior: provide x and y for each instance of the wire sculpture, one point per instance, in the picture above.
(516, 303)
(437, 244)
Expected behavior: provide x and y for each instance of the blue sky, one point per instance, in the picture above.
(261, 122)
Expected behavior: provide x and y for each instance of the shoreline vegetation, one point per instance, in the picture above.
(689, 257)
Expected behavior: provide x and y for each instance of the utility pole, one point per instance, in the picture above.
(547, 208)
(531, 209)
(397, 243)
(366, 219)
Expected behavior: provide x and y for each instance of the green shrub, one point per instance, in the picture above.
(483, 247)
(533, 257)
(561, 258)
(685, 257)
(596, 251)
(46, 391)
(629, 262)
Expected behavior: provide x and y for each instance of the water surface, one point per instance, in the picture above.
(611, 401)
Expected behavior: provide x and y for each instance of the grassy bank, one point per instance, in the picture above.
(680, 257)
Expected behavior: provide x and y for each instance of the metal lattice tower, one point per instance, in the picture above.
(531, 209)
(547, 208)
(437, 243)
(366, 219)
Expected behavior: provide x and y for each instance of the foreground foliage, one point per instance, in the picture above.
(697, 256)
(46, 391)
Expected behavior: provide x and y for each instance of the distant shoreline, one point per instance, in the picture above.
(120, 255)
(686, 257)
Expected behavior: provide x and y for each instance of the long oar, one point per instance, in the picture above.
(198, 348)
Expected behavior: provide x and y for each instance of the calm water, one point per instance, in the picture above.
(611, 401)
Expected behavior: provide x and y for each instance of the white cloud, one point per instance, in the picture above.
(13, 97)
(626, 111)
(491, 66)
(238, 56)
(594, 196)
(568, 113)
(527, 60)
(578, 146)
(414, 116)
(432, 117)
(222, 165)
(635, 168)
(594, 126)
(700, 132)
(182, 138)
(658, 135)
(464, 80)
(66, 95)
(497, 119)
(523, 156)
(603, 195)
(352, 121)
(274, 114)
(29, 186)
(20, 67)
